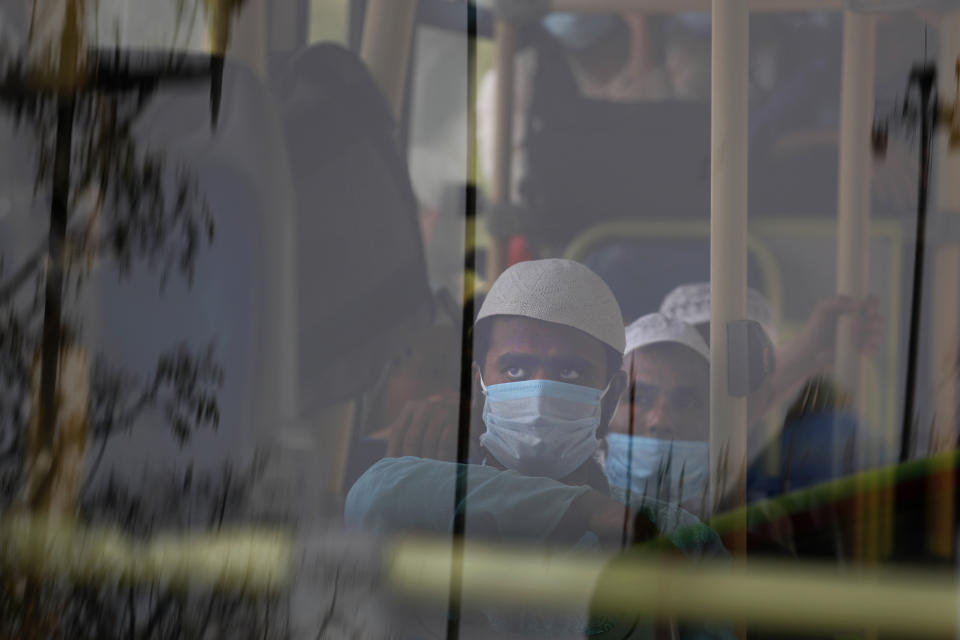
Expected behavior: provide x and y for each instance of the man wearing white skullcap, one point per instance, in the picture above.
(561, 292)
(659, 439)
(809, 353)
(549, 342)
(548, 359)
(691, 303)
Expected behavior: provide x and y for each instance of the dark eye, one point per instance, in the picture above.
(514, 372)
(688, 401)
(644, 397)
(569, 374)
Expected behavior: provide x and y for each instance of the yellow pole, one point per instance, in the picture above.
(945, 349)
(674, 6)
(56, 45)
(728, 259)
(387, 40)
(853, 227)
(244, 40)
(728, 249)
(853, 206)
(775, 596)
(218, 26)
(506, 39)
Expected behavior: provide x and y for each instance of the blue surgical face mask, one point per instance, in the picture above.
(541, 427)
(671, 470)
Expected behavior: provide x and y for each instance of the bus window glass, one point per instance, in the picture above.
(611, 322)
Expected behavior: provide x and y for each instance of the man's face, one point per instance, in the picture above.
(528, 349)
(670, 394)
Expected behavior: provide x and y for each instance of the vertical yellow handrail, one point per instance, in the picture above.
(945, 332)
(240, 30)
(853, 225)
(388, 31)
(853, 202)
(506, 41)
(728, 247)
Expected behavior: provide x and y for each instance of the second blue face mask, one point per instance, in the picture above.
(675, 471)
(541, 427)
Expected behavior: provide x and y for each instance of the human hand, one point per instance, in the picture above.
(817, 340)
(611, 521)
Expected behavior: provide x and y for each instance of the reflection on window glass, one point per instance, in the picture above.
(248, 390)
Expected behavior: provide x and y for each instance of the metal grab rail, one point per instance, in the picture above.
(772, 595)
(763, 594)
(674, 6)
(260, 560)
(253, 562)
(678, 6)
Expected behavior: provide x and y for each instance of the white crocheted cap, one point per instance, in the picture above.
(559, 291)
(691, 303)
(656, 328)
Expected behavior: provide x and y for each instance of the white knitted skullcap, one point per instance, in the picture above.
(691, 303)
(656, 328)
(559, 291)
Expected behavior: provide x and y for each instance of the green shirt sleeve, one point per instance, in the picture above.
(416, 494)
